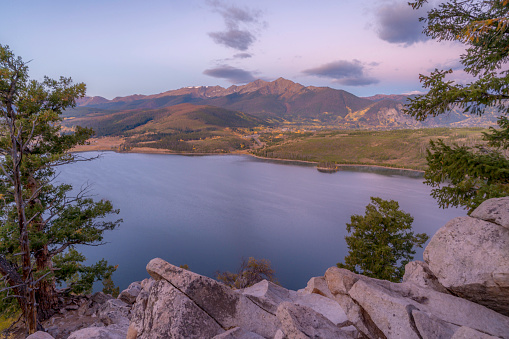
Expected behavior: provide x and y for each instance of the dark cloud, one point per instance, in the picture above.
(232, 74)
(362, 81)
(240, 40)
(348, 73)
(234, 15)
(242, 56)
(398, 23)
(235, 36)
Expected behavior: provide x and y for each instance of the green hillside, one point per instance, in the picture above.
(396, 148)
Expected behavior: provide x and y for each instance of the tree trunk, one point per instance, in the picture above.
(46, 294)
(29, 309)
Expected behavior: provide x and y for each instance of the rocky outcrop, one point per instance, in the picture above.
(180, 303)
(380, 308)
(177, 303)
(470, 255)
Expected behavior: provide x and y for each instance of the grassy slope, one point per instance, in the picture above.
(396, 148)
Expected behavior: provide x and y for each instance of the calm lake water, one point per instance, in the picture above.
(210, 211)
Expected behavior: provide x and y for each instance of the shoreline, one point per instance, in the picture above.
(400, 170)
(342, 165)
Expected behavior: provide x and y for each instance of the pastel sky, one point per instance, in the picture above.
(124, 47)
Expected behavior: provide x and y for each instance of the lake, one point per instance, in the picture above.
(210, 211)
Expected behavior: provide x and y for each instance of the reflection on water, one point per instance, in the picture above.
(210, 211)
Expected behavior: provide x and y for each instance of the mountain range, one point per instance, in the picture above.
(276, 102)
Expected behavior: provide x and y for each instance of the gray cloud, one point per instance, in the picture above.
(348, 73)
(232, 74)
(237, 39)
(362, 81)
(242, 56)
(234, 15)
(234, 36)
(398, 23)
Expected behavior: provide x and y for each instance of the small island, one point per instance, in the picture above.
(327, 167)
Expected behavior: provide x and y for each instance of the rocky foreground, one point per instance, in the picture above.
(460, 291)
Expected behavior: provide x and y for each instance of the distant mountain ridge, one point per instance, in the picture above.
(285, 100)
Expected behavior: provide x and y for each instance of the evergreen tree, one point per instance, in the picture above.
(466, 176)
(381, 243)
(41, 221)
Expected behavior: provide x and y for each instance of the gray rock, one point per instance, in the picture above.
(100, 297)
(391, 314)
(114, 311)
(430, 327)
(227, 307)
(493, 210)
(109, 332)
(130, 294)
(470, 257)
(267, 295)
(358, 317)
(418, 272)
(169, 313)
(279, 334)
(324, 306)
(301, 322)
(373, 305)
(469, 333)
(238, 333)
(40, 335)
(318, 285)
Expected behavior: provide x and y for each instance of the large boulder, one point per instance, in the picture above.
(379, 308)
(169, 313)
(470, 255)
(220, 304)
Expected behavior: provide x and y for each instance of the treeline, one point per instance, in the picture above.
(282, 155)
(205, 141)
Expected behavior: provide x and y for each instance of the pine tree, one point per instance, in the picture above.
(41, 221)
(460, 175)
(380, 242)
